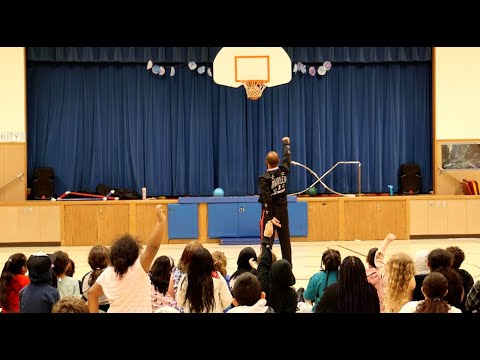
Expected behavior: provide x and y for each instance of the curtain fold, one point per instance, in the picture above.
(120, 125)
(313, 55)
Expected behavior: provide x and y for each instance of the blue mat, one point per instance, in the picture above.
(243, 241)
(224, 199)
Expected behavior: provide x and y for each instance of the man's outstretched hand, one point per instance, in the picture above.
(268, 231)
(276, 222)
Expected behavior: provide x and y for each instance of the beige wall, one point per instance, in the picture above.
(13, 150)
(457, 103)
(12, 89)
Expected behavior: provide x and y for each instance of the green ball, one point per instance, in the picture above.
(312, 191)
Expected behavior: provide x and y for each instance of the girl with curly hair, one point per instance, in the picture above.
(397, 277)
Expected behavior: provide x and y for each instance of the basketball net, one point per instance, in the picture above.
(254, 88)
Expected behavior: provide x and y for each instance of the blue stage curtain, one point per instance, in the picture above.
(120, 125)
(207, 54)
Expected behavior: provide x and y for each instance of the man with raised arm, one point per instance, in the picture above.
(273, 196)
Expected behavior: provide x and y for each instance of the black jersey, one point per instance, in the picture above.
(273, 183)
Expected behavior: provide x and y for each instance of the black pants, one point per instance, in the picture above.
(281, 213)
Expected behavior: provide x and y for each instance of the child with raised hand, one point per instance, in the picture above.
(373, 275)
(397, 277)
(379, 263)
(126, 283)
(276, 279)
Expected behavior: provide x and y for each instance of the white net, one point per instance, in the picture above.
(254, 89)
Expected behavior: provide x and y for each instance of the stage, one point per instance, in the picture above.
(87, 223)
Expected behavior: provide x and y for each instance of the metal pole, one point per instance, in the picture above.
(15, 178)
(359, 178)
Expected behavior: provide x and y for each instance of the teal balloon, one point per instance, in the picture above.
(312, 191)
(218, 192)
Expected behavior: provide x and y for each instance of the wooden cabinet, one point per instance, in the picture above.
(30, 224)
(440, 217)
(457, 217)
(94, 224)
(145, 218)
(370, 219)
(323, 220)
(419, 217)
(473, 216)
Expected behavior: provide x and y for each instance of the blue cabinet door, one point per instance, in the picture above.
(298, 218)
(223, 220)
(182, 221)
(249, 219)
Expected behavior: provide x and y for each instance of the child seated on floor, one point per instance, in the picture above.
(248, 295)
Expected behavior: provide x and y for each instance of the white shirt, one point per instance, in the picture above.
(131, 293)
(259, 307)
(411, 306)
(221, 292)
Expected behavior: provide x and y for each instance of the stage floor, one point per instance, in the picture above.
(306, 255)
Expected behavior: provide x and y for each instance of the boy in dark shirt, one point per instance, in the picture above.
(39, 296)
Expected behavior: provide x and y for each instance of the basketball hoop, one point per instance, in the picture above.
(254, 88)
(253, 67)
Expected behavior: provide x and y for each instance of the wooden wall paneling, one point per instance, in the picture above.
(419, 217)
(146, 218)
(15, 155)
(2, 171)
(113, 221)
(323, 221)
(39, 223)
(360, 220)
(437, 217)
(10, 230)
(202, 222)
(391, 217)
(457, 217)
(81, 224)
(473, 216)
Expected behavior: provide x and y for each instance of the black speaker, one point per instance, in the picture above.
(410, 179)
(43, 183)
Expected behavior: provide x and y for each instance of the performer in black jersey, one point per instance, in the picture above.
(273, 196)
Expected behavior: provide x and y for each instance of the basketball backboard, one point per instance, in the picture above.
(253, 67)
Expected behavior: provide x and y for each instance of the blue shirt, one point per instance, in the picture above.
(317, 284)
(38, 298)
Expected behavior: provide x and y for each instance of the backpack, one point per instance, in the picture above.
(122, 194)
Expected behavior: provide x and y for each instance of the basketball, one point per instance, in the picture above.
(218, 192)
(312, 191)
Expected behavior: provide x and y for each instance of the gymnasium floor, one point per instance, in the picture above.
(306, 255)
